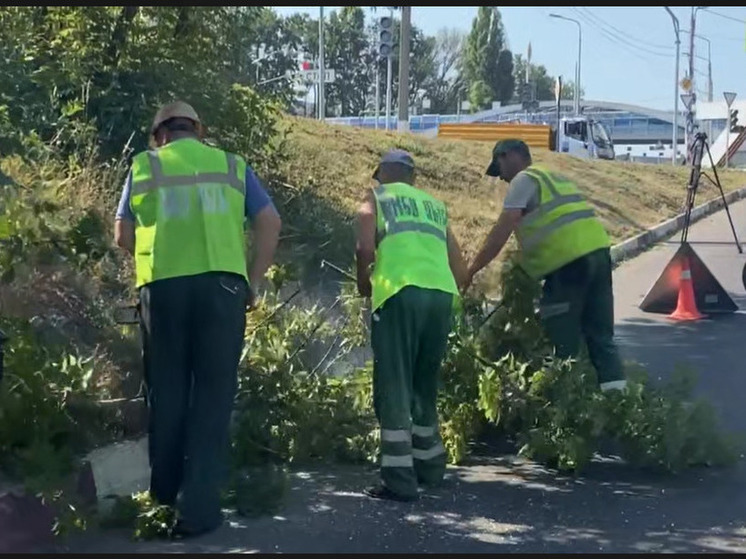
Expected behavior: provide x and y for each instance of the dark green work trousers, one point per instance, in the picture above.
(409, 336)
(578, 303)
(193, 331)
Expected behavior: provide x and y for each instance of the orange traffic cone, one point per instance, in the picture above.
(686, 308)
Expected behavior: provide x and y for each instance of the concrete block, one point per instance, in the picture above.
(120, 469)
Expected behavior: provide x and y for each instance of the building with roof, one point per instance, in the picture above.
(638, 133)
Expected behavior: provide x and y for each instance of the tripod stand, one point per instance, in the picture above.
(698, 149)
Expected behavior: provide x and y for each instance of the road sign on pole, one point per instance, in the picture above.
(687, 99)
(729, 98)
(313, 75)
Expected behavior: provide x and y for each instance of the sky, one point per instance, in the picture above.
(628, 54)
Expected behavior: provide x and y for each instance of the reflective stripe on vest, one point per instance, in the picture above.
(411, 234)
(562, 210)
(158, 179)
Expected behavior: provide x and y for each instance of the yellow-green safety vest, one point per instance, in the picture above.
(188, 200)
(412, 239)
(561, 229)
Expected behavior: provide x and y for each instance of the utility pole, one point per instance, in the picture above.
(406, 23)
(675, 138)
(322, 107)
(389, 79)
(693, 104)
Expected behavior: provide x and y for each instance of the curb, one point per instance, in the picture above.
(640, 243)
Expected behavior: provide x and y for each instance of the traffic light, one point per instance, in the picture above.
(385, 37)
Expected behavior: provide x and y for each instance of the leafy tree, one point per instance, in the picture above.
(568, 90)
(348, 51)
(112, 66)
(540, 79)
(447, 83)
(488, 60)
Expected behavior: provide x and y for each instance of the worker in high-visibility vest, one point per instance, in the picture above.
(182, 215)
(563, 243)
(403, 234)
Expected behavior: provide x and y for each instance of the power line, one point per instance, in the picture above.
(622, 36)
(607, 35)
(626, 34)
(620, 40)
(708, 11)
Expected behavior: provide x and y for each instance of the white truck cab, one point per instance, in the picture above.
(584, 137)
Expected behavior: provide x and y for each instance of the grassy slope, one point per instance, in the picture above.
(329, 169)
(338, 161)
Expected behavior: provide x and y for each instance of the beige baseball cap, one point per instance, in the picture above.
(177, 109)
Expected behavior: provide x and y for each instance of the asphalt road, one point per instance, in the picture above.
(508, 505)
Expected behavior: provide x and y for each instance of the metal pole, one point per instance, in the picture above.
(378, 91)
(378, 88)
(691, 48)
(406, 19)
(693, 104)
(322, 107)
(709, 70)
(389, 71)
(389, 79)
(559, 116)
(727, 137)
(577, 83)
(576, 97)
(575, 101)
(675, 135)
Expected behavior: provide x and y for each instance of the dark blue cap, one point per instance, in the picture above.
(395, 156)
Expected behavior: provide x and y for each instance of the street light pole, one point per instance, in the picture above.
(580, 50)
(675, 138)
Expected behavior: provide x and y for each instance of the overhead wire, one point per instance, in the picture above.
(625, 34)
(710, 11)
(619, 37)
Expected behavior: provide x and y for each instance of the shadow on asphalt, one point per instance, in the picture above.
(711, 347)
(505, 504)
(489, 505)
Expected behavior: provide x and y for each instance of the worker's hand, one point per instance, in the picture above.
(250, 300)
(467, 281)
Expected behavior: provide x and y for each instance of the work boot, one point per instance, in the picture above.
(184, 530)
(380, 491)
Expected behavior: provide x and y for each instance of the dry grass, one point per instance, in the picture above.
(337, 161)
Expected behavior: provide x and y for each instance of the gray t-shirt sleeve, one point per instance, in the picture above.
(523, 193)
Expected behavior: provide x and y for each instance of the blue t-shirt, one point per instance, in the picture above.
(256, 197)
